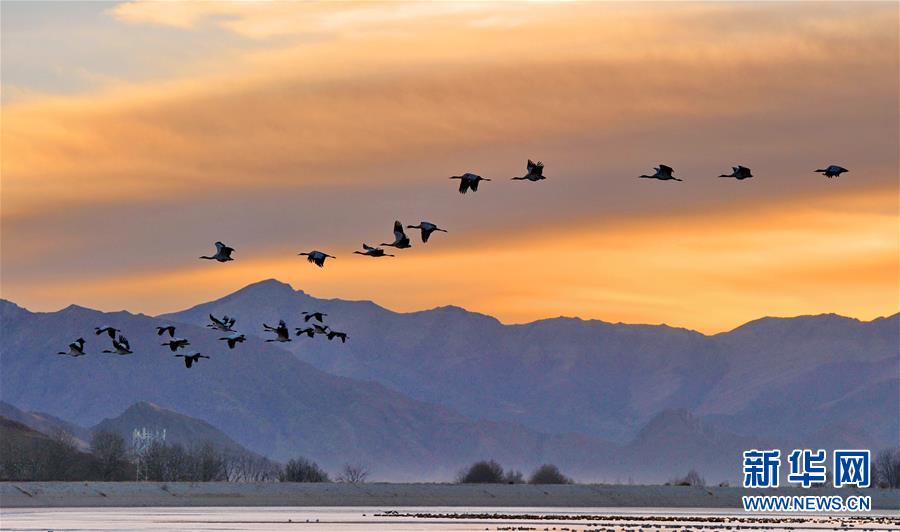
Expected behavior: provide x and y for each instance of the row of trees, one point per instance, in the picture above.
(490, 472)
(57, 457)
(33, 456)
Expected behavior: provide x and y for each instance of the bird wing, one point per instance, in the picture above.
(535, 168)
(666, 169)
(474, 185)
(368, 247)
(398, 231)
(124, 342)
(464, 186)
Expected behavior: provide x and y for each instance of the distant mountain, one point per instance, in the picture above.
(262, 397)
(781, 379)
(47, 424)
(179, 428)
(418, 395)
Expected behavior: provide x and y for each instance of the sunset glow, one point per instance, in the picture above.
(266, 126)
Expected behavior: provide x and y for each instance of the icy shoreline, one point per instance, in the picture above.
(136, 494)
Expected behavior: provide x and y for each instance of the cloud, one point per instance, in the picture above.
(300, 141)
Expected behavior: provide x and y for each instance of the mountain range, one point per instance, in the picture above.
(418, 395)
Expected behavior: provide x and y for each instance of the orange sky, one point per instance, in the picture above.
(281, 127)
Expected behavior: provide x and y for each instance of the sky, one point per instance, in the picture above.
(136, 134)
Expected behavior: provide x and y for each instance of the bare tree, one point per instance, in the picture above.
(692, 478)
(111, 453)
(353, 474)
(887, 468)
(303, 470)
(208, 463)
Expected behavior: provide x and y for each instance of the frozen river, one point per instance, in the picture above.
(427, 519)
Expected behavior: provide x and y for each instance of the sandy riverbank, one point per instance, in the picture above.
(91, 494)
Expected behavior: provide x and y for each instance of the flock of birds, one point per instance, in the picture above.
(225, 324)
(467, 181)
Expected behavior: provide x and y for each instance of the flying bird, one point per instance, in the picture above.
(190, 359)
(739, 172)
(223, 324)
(177, 343)
(832, 171)
(663, 173)
(233, 340)
(167, 329)
(427, 228)
(335, 334)
(76, 349)
(309, 331)
(372, 252)
(535, 172)
(223, 253)
(401, 241)
(282, 334)
(120, 347)
(469, 181)
(314, 315)
(111, 331)
(317, 257)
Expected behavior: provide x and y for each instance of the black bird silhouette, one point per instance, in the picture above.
(739, 172)
(190, 359)
(223, 253)
(314, 315)
(832, 171)
(233, 340)
(372, 251)
(469, 181)
(535, 172)
(427, 228)
(120, 347)
(663, 173)
(282, 334)
(108, 329)
(401, 241)
(335, 334)
(177, 343)
(167, 329)
(223, 324)
(76, 349)
(317, 257)
(309, 331)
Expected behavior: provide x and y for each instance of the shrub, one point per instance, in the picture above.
(484, 472)
(303, 470)
(548, 474)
